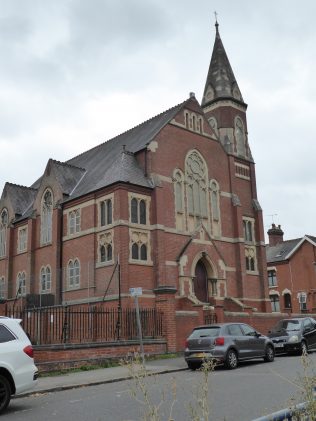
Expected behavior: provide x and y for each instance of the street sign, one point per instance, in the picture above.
(136, 292)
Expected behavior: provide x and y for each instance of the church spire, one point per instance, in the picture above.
(220, 82)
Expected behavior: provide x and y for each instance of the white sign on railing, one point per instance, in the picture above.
(136, 292)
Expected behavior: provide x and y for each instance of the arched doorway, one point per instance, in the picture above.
(200, 282)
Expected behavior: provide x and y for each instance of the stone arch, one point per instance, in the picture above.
(204, 278)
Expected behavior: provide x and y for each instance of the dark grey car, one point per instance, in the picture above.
(294, 336)
(226, 343)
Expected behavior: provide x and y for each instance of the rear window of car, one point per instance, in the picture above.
(6, 335)
(200, 333)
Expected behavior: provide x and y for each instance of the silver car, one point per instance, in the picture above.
(226, 343)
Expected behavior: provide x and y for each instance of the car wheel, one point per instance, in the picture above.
(304, 349)
(269, 355)
(5, 393)
(231, 359)
(193, 365)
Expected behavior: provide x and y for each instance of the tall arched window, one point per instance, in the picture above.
(240, 137)
(46, 217)
(178, 191)
(197, 186)
(45, 279)
(21, 284)
(4, 219)
(74, 274)
(74, 221)
(2, 288)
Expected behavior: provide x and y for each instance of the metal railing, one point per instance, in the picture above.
(74, 324)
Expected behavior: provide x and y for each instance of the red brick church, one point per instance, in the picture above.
(172, 203)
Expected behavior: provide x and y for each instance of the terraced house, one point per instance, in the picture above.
(172, 201)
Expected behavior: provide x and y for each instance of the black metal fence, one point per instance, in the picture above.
(73, 324)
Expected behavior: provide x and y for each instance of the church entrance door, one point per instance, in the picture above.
(200, 282)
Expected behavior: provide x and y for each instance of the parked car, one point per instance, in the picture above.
(226, 343)
(294, 336)
(18, 372)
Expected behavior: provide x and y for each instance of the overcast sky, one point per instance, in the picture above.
(75, 73)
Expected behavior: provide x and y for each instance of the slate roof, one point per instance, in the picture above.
(109, 163)
(283, 251)
(220, 75)
(21, 197)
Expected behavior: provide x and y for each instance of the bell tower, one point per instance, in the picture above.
(223, 103)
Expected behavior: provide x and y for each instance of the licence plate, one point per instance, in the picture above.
(278, 345)
(199, 355)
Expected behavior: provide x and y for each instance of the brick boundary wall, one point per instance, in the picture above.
(57, 357)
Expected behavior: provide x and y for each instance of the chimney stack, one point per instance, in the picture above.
(275, 234)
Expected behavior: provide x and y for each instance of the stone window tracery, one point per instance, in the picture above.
(139, 246)
(251, 261)
(197, 186)
(106, 247)
(139, 209)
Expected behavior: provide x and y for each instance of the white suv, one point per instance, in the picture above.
(18, 373)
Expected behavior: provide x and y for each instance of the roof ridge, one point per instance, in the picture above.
(20, 186)
(129, 130)
(65, 164)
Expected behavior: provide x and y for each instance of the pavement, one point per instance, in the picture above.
(73, 380)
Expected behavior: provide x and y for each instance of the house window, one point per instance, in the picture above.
(248, 225)
(302, 299)
(106, 212)
(45, 279)
(272, 279)
(287, 301)
(2, 288)
(106, 247)
(138, 211)
(139, 246)
(21, 285)
(3, 232)
(250, 255)
(197, 185)
(46, 217)
(22, 239)
(73, 274)
(275, 303)
(74, 221)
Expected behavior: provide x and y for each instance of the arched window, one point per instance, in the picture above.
(248, 230)
(4, 219)
(250, 254)
(215, 201)
(178, 191)
(134, 210)
(213, 123)
(102, 254)
(45, 279)
(240, 137)
(21, 285)
(196, 177)
(74, 221)
(106, 212)
(135, 251)
(74, 274)
(139, 246)
(287, 301)
(275, 302)
(138, 211)
(46, 217)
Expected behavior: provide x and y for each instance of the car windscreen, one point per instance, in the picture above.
(288, 325)
(202, 333)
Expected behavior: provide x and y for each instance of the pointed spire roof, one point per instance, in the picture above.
(220, 82)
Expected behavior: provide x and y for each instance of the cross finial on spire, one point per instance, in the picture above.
(216, 23)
